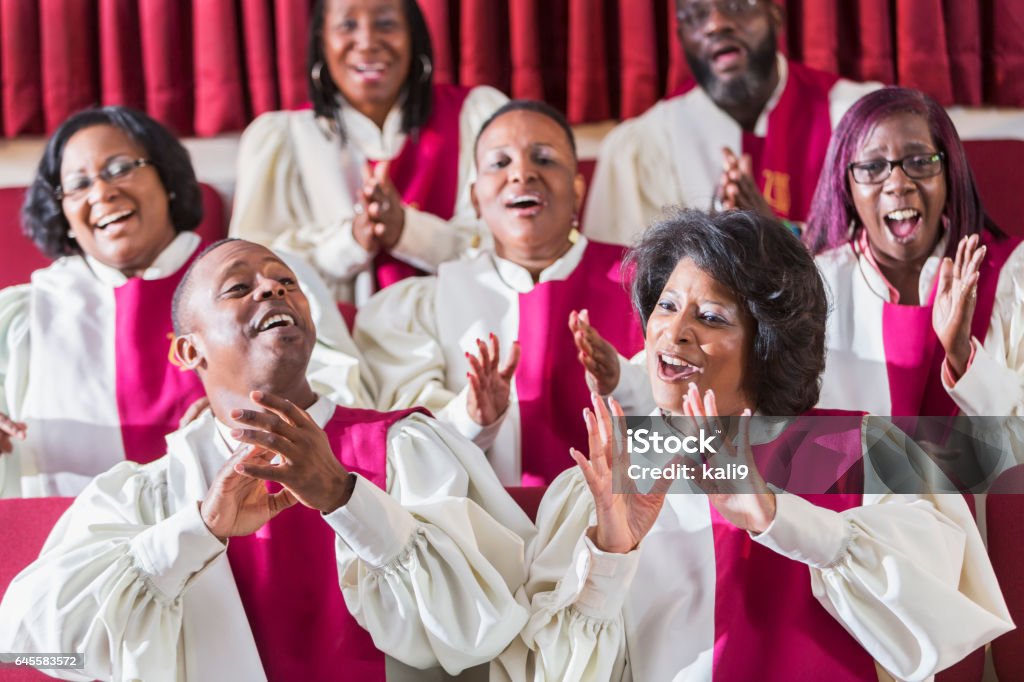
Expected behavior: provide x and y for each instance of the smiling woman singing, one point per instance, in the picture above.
(436, 341)
(833, 583)
(84, 369)
(925, 288)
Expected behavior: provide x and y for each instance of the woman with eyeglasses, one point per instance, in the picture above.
(925, 288)
(632, 578)
(363, 186)
(86, 378)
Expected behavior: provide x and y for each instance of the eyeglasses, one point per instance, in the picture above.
(117, 171)
(696, 14)
(915, 166)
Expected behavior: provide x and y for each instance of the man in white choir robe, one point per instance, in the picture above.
(196, 567)
(750, 132)
(66, 367)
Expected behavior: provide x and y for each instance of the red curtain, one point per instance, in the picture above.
(209, 66)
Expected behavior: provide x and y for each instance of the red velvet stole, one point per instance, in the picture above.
(767, 622)
(913, 352)
(550, 382)
(788, 160)
(153, 391)
(426, 172)
(287, 575)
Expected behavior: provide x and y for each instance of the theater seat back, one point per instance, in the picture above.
(24, 527)
(1004, 516)
(19, 257)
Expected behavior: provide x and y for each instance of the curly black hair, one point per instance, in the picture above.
(418, 86)
(42, 216)
(774, 278)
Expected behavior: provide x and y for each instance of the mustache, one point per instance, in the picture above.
(761, 60)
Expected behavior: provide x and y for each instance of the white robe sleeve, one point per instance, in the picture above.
(993, 385)
(397, 333)
(633, 182)
(907, 576)
(429, 567)
(575, 592)
(427, 241)
(121, 563)
(272, 206)
(15, 352)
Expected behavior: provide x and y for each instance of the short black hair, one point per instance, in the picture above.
(42, 216)
(537, 107)
(774, 278)
(418, 86)
(184, 289)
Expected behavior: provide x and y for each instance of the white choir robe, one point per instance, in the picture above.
(297, 188)
(414, 336)
(132, 577)
(672, 155)
(856, 378)
(62, 381)
(649, 614)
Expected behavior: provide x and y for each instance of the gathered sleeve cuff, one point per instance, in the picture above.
(575, 593)
(907, 576)
(430, 567)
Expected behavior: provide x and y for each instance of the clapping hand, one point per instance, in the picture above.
(489, 384)
(238, 504)
(380, 214)
(753, 509)
(10, 429)
(737, 188)
(308, 468)
(598, 357)
(956, 297)
(623, 518)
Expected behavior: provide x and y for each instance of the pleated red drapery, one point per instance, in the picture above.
(209, 66)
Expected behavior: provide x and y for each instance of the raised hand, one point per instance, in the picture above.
(10, 429)
(489, 384)
(737, 188)
(623, 518)
(308, 468)
(384, 208)
(238, 504)
(750, 511)
(598, 357)
(956, 296)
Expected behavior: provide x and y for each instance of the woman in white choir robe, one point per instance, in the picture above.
(86, 375)
(436, 341)
(758, 585)
(363, 186)
(190, 569)
(926, 291)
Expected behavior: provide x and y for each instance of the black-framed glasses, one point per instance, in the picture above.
(915, 166)
(696, 14)
(118, 170)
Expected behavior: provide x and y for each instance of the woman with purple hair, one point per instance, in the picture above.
(926, 290)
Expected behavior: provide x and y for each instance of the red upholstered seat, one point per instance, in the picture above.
(993, 163)
(527, 498)
(1004, 515)
(19, 256)
(24, 526)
